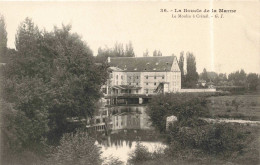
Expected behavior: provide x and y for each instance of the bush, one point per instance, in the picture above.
(182, 105)
(76, 148)
(218, 139)
(141, 154)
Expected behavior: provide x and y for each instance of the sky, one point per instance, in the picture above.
(222, 45)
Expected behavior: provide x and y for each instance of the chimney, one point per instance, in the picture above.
(108, 60)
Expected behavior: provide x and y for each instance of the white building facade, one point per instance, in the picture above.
(144, 75)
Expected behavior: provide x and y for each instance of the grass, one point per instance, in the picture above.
(246, 107)
(249, 154)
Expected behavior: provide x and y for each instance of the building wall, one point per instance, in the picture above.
(149, 81)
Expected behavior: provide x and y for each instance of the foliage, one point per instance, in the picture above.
(51, 77)
(211, 139)
(112, 161)
(192, 76)
(3, 37)
(181, 66)
(204, 75)
(253, 81)
(182, 105)
(157, 53)
(146, 53)
(77, 148)
(238, 78)
(141, 154)
(117, 51)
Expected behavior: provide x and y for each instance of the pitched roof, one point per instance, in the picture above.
(143, 64)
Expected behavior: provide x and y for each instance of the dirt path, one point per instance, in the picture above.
(222, 120)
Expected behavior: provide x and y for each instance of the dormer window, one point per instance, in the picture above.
(147, 63)
(145, 69)
(135, 69)
(156, 63)
(154, 68)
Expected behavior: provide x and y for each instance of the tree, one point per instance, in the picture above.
(51, 78)
(181, 65)
(116, 51)
(159, 54)
(155, 53)
(25, 89)
(192, 75)
(183, 105)
(119, 50)
(204, 75)
(3, 38)
(129, 50)
(238, 78)
(77, 148)
(146, 53)
(79, 78)
(253, 81)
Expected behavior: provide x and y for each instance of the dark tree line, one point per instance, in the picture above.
(49, 78)
(117, 51)
(239, 78)
(190, 79)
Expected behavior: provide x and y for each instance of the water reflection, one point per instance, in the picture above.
(119, 118)
(124, 127)
(123, 150)
(131, 117)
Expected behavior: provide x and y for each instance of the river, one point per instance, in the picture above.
(128, 125)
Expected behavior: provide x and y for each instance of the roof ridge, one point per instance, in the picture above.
(143, 57)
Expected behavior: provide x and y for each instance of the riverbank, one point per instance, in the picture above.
(244, 107)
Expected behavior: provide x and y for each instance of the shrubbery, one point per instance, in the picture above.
(183, 105)
(77, 148)
(211, 139)
(141, 154)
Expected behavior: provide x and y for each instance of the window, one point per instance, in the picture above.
(154, 77)
(146, 90)
(122, 77)
(146, 77)
(116, 76)
(162, 77)
(129, 83)
(154, 83)
(136, 91)
(137, 77)
(146, 83)
(136, 83)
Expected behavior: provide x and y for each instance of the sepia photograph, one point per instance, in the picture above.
(130, 82)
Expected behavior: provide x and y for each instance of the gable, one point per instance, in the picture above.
(175, 65)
